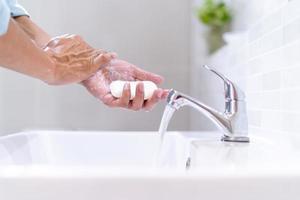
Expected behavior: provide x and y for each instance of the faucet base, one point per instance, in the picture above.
(243, 139)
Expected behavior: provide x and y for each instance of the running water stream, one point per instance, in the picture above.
(164, 148)
(167, 115)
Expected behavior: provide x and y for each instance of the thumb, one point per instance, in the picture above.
(103, 59)
(145, 75)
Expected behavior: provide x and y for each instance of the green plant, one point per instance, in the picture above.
(214, 14)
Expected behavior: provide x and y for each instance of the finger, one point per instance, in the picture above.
(150, 103)
(125, 98)
(138, 100)
(165, 94)
(109, 100)
(102, 59)
(144, 75)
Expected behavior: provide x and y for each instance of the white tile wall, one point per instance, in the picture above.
(272, 66)
(273, 70)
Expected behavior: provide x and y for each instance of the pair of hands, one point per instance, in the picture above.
(77, 62)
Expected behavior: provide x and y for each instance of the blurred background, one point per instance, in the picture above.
(171, 38)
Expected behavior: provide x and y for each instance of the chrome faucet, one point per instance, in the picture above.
(232, 122)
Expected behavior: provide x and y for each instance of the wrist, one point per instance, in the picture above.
(50, 75)
(35, 33)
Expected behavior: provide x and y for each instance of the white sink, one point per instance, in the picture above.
(101, 150)
(122, 165)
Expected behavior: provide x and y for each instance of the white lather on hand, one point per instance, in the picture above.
(116, 88)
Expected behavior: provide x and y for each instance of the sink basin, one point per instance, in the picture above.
(101, 150)
(63, 165)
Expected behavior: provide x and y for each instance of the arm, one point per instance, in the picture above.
(35, 33)
(66, 59)
(63, 60)
(97, 85)
(20, 54)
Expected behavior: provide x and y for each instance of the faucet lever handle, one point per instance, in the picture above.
(232, 91)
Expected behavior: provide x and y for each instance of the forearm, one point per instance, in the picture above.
(20, 54)
(39, 36)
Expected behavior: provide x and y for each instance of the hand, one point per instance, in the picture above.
(74, 60)
(98, 85)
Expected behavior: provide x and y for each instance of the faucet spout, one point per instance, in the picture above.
(232, 122)
(229, 123)
(178, 100)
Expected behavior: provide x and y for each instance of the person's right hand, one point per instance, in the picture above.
(73, 59)
(98, 85)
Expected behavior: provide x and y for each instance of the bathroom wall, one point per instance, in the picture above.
(153, 34)
(263, 57)
(273, 70)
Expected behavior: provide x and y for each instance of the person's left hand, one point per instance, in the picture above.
(74, 60)
(98, 86)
